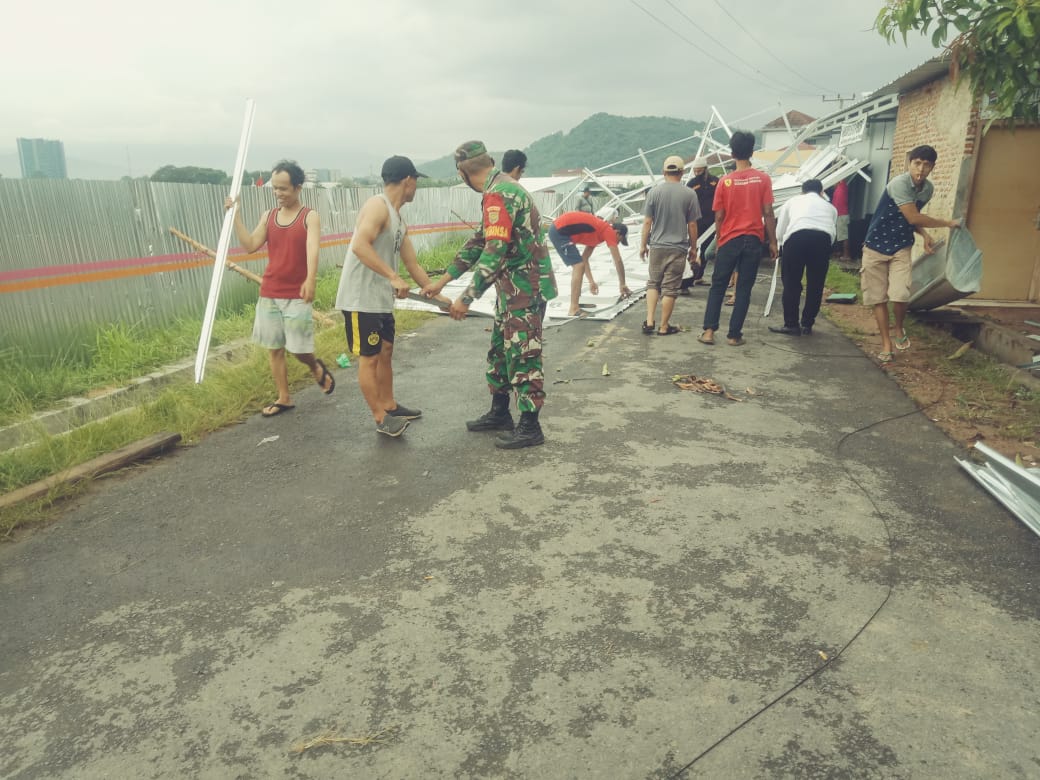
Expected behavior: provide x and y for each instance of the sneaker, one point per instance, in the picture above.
(392, 426)
(405, 412)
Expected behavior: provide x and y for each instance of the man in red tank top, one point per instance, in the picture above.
(284, 320)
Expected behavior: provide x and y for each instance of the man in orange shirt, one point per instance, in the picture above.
(589, 230)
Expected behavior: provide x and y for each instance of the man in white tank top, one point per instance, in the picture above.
(368, 285)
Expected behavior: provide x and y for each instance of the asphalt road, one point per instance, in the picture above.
(801, 583)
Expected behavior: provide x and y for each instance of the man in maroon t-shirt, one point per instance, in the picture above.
(284, 320)
(589, 230)
(745, 228)
(840, 201)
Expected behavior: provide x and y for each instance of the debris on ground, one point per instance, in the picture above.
(331, 737)
(702, 385)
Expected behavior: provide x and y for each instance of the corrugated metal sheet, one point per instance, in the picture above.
(78, 254)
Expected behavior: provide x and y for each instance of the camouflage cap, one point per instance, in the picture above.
(468, 150)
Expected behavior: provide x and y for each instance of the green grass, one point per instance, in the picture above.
(121, 352)
(230, 392)
(840, 281)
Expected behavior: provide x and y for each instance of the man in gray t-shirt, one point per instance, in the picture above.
(669, 239)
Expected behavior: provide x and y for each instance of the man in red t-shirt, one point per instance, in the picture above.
(840, 201)
(589, 230)
(745, 227)
(284, 320)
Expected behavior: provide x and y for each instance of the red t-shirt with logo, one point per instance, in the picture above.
(742, 195)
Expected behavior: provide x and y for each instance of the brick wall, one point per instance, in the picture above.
(944, 116)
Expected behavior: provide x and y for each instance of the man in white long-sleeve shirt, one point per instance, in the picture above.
(806, 229)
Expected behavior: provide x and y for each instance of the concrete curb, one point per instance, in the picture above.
(78, 411)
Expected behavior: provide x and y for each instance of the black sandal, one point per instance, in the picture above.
(325, 373)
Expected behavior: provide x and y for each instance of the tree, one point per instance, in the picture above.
(250, 177)
(995, 47)
(190, 174)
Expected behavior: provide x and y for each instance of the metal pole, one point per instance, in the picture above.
(224, 244)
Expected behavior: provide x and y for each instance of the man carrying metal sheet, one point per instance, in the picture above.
(589, 230)
(367, 288)
(506, 252)
(890, 237)
(806, 230)
(284, 317)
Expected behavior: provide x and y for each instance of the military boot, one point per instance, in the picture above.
(497, 419)
(527, 434)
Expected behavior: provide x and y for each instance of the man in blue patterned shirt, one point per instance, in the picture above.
(890, 237)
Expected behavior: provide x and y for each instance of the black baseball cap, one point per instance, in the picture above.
(397, 168)
(622, 232)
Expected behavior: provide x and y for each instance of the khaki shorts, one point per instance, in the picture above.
(666, 271)
(842, 228)
(885, 278)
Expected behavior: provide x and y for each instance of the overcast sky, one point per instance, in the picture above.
(344, 84)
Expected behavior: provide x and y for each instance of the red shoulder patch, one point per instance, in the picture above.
(498, 224)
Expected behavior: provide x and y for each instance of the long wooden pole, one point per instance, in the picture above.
(325, 320)
(203, 248)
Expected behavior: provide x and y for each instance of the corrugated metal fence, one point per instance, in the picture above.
(76, 255)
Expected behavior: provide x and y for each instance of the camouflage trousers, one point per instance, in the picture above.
(515, 357)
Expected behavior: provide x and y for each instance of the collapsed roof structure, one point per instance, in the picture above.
(844, 149)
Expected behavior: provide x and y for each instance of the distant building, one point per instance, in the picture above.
(780, 134)
(42, 159)
(321, 175)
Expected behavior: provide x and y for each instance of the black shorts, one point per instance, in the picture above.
(367, 332)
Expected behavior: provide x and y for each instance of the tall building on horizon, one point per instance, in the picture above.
(42, 158)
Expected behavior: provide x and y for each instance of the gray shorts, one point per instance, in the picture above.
(842, 228)
(666, 270)
(284, 323)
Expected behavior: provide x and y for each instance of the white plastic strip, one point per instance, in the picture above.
(223, 245)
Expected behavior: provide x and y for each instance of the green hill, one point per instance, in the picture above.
(599, 140)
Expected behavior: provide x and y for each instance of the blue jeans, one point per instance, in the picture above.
(743, 255)
(569, 253)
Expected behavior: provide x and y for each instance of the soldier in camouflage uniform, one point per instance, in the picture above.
(505, 251)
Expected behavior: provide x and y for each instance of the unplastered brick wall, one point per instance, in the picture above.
(944, 116)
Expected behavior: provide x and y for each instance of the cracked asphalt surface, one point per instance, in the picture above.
(609, 605)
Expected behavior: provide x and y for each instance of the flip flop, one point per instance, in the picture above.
(710, 342)
(648, 329)
(730, 302)
(737, 342)
(884, 357)
(903, 342)
(670, 331)
(278, 409)
(325, 373)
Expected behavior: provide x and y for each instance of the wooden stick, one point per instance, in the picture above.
(203, 248)
(324, 318)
